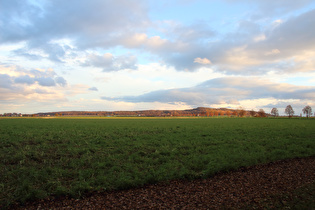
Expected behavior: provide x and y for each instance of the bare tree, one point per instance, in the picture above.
(275, 112)
(307, 110)
(289, 111)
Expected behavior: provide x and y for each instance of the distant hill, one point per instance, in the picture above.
(200, 111)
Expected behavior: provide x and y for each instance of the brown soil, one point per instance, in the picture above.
(250, 187)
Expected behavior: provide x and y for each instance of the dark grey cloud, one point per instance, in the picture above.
(293, 35)
(46, 81)
(92, 24)
(228, 90)
(25, 79)
(40, 49)
(25, 53)
(5, 81)
(51, 81)
(39, 73)
(241, 51)
(16, 18)
(61, 81)
(166, 96)
(41, 91)
(105, 25)
(254, 88)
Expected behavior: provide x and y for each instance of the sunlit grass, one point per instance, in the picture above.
(70, 156)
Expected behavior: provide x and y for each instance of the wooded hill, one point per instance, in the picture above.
(200, 111)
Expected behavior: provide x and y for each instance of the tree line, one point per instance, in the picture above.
(200, 111)
(307, 110)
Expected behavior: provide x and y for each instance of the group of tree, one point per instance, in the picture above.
(307, 110)
(200, 111)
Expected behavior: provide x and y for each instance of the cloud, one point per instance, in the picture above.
(97, 23)
(163, 96)
(37, 72)
(294, 34)
(286, 48)
(256, 46)
(195, 32)
(93, 89)
(273, 52)
(202, 61)
(250, 48)
(39, 49)
(109, 62)
(61, 81)
(35, 90)
(46, 81)
(25, 79)
(259, 37)
(5, 81)
(270, 7)
(179, 45)
(15, 76)
(229, 90)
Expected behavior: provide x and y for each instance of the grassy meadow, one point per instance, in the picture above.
(71, 156)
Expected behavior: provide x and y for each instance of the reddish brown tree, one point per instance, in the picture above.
(228, 113)
(241, 113)
(252, 113)
(261, 113)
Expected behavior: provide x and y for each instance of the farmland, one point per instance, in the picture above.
(71, 156)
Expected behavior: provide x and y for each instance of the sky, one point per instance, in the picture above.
(111, 55)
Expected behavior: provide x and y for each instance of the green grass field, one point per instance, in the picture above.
(65, 156)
